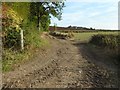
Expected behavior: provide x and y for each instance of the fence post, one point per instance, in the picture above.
(22, 42)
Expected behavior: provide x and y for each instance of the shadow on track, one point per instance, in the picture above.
(101, 70)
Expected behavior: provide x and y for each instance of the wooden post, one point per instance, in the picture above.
(55, 27)
(22, 43)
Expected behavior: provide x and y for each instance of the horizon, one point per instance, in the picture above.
(84, 27)
(92, 13)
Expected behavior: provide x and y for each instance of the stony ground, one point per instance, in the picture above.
(67, 64)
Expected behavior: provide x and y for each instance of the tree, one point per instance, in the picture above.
(41, 12)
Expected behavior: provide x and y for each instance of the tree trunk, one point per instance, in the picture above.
(38, 20)
(38, 23)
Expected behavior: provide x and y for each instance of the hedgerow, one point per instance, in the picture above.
(106, 41)
(111, 42)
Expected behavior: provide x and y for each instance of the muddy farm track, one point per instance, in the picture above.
(67, 64)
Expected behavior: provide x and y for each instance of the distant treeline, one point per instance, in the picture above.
(75, 28)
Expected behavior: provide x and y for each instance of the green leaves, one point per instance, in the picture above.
(43, 10)
(19, 14)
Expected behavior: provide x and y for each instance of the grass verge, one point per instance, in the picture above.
(110, 43)
(11, 59)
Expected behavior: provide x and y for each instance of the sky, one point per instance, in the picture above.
(99, 14)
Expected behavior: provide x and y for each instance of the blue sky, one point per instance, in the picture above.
(102, 14)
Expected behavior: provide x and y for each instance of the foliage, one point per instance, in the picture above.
(26, 16)
(37, 12)
(45, 21)
(32, 36)
(16, 7)
(12, 58)
(109, 41)
(10, 27)
(41, 12)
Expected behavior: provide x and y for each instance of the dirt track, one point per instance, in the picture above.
(66, 64)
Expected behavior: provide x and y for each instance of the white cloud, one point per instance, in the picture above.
(104, 16)
(94, 14)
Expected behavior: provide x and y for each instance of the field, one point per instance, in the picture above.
(85, 36)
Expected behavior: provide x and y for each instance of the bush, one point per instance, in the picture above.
(111, 42)
(12, 39)
(11, 28)
(32, 36)
(107, 41)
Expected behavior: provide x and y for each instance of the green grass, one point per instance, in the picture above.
(32, 42)
(86, 36)
(11, 58)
